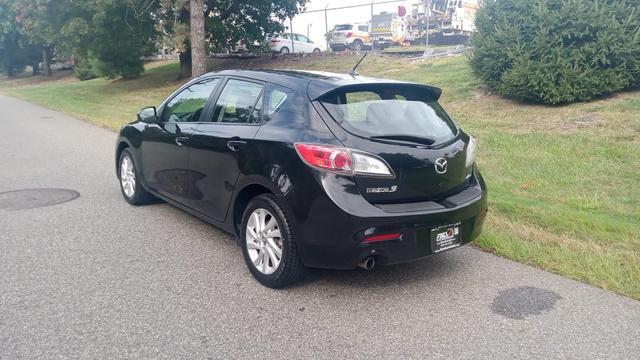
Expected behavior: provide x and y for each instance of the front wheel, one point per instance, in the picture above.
(130, 186)
(269, 245)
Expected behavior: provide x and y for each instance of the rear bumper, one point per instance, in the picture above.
(381, 41)
(331, 233)
(337, 46)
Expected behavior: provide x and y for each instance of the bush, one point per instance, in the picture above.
(557, 51)
(119, 40)
(110, 66)
(84, 71)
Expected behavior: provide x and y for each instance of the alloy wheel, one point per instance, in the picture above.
(264, 241)
(127, 176)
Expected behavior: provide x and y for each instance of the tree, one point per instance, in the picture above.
(38, 20)
(43, 22)
(105, 37)
(226, 22)
(198, 53)
(120, 33)
(8, 38)
(557, 51)
(16, 50)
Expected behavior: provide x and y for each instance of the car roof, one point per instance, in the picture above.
(318, 83)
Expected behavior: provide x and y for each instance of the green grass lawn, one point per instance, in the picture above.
(564, 182)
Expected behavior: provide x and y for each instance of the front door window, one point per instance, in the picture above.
(189, 103)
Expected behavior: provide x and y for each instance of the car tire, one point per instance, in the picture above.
(357, 45)
(132, 190)
(316, 51)
(284, 50)
(260, 250)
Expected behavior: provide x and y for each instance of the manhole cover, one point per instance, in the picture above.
(35, 198)
(521, 302)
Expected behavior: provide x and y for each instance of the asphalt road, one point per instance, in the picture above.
(97, 278)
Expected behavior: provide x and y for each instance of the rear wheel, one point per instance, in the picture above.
(269, 245)
(284, 50)
(316, 51)
(130, 186)
(357, 45)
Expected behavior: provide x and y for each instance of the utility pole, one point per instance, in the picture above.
(373, 41)
(427, 13)
(293, 50)
(326, 26)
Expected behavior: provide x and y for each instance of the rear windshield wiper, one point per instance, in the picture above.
(409, 138)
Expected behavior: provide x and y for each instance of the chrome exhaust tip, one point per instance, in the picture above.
(368, 263)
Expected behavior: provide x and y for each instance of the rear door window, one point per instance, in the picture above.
(364, 28)
(240, 102)
(302, 38)
(390, 111)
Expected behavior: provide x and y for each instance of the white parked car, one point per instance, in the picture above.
(284, 44)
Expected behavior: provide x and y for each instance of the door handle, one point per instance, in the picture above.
(234, 145)
(180, 140)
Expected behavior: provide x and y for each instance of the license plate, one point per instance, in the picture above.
(445, 237)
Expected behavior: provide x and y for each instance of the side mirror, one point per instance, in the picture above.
(148, 115)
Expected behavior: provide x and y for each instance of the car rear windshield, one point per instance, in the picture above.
(344, 27)
(404, 113)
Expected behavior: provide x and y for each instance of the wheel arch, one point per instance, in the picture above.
(122, 144)
(241, 201)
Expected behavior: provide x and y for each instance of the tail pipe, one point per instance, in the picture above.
(368, 263)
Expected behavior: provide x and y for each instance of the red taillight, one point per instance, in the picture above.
(349, 34)
(273, 41)
(381, 237)
(326, 157)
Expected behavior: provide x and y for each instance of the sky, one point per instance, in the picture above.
(315, 21)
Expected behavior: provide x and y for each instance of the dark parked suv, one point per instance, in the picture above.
(309, 169)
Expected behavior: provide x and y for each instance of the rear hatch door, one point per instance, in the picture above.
(404, 125)
(339, 34)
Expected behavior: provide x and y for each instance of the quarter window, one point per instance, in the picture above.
(277, 98)
(364, 28)
(240, 102)
(187, 105)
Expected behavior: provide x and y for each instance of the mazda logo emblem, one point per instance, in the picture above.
(441, 165)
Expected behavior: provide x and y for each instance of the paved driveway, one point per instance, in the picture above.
(97, 278)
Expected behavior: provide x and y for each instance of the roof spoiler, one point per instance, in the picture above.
(317, 90)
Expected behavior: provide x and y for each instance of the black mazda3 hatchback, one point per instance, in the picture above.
(309, 169)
